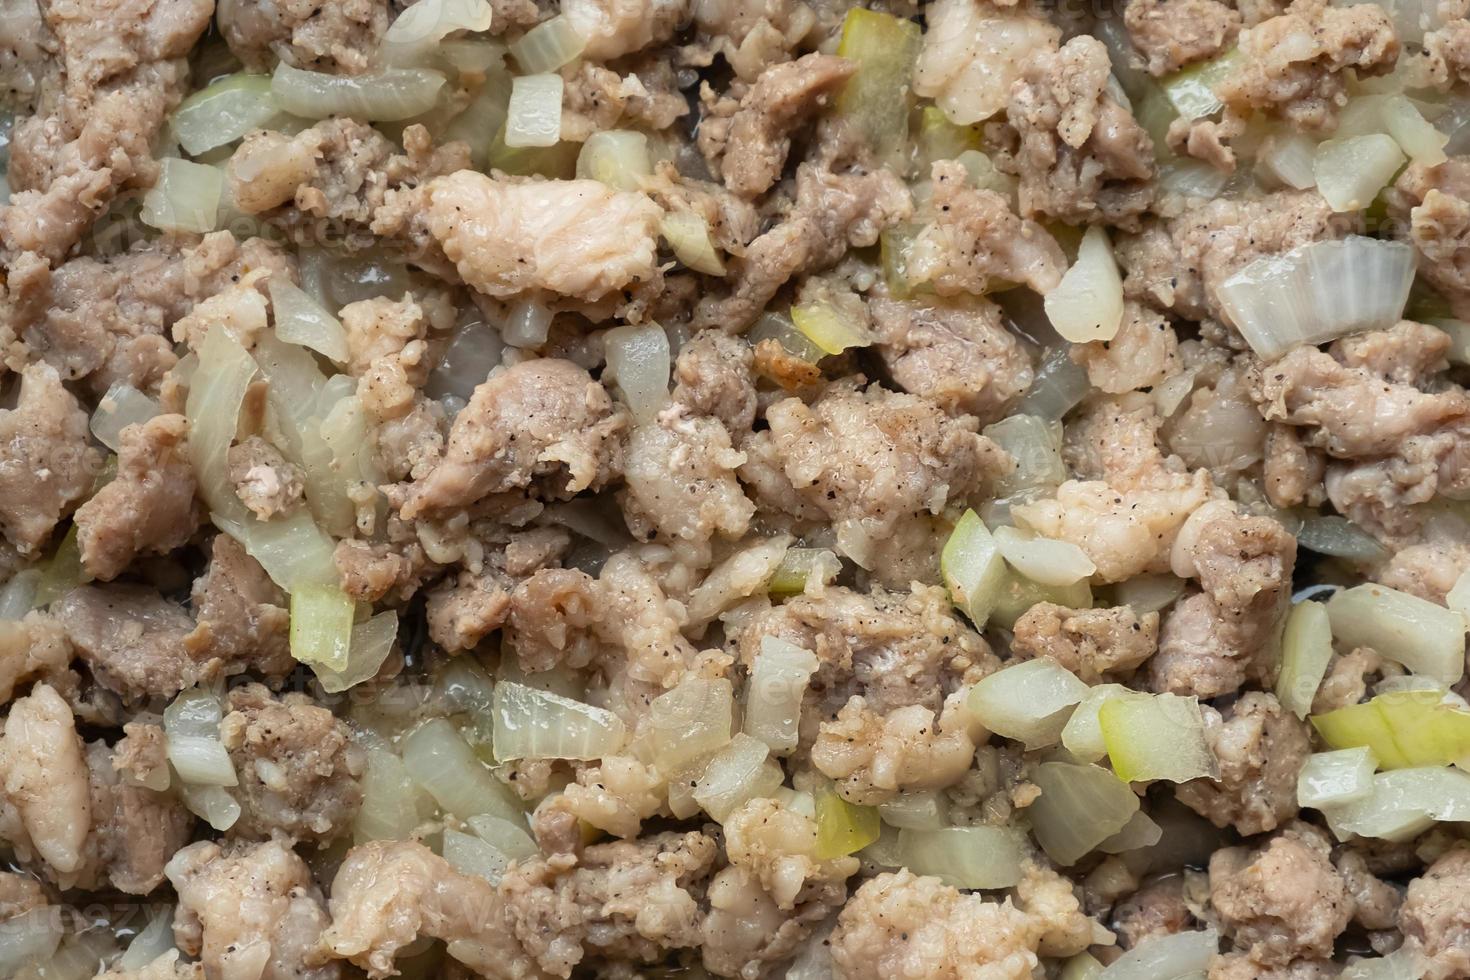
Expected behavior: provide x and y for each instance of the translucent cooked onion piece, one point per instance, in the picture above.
(1139, 832)
(508, 836)
(965, 857)
(1087, 304)
(369, 646)
(62, 572)
(690, 722)
(299, 319)
(1192, 178)
(1306, 648)
(185, 197)
(1286, 157)
(917, 810)
(828, 327)
(293, 551)
(1045, 561)
(639, 361)
(548, 46)
(534, 724)
(30, 939)
(1060, 386)
(212, 804)
(688, 235)
(1079, 808)
(224, 111)
(470, 855)
(192, 740)
(1029, 701)
(152, 941)
(1082, 735)
(1403, 728)
(391, 800)
(424, 24)
(18, 596)
(1149, 593)
(473, 352)
(1157, 737)
(213, 408)
(1328, 534)
(616, 157)
(972, 568)
(778, 683)
(1319, 292)
(1018, 594)
(1083, 966)
(321, 625)
(843, 828)
(386, 95)
(1191, 91)
(1342, 776)
(1350, 172)
(122, 406)
(534, 115)
(1035, 444)
(801, 565)
(1424, 637)
(1175, 957)
(741, 771)
(877, 97)
(441, 761)
(1403, 804)
(1404, 963)
(743, 574)
(1415, 135)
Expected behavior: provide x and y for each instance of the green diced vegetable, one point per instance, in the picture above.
(1404, 729)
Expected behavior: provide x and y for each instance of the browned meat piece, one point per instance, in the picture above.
(1089, 642)
(1156, 273)
(266, 482)
(712, 376)
(252, 904)
(962, 358)
(132, 639)
(1296, 65)
(46, 461)
(1260, 748)
(976, 240)
(1283, 901)
(1436, 915)
(335, 36)
(1433, 205)
(135, 830)
(1173, 33)
(543, 421)
(242, 615)
(148, 508)
(1083, 157)
(748, 145)
(297, 767)
(372, 570)
(473, 603)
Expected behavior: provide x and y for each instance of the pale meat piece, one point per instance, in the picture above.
(1261, 748)
(169, 966)
(46, 808)
(250, 910)
(135, 830)
(871, 755)
(298, 768)
(1436, 915)
(974, 50)
(596, 99)
(148, 508)
(32, 647)
(712, 376)
(466, 607)
(1292, 471)
(961, 357)
(679, 472)
(1083, 157)
(1173, 33)
(1156, 909)
(47, 463)
(241, 615)
(133, 640)
(975, 240)
(1436, 203)
(541, 421)
(333, 36)
(614, 28)
(779, 846)
(267, 483)
(1143, 353)
(745, 932)
(1094, 644)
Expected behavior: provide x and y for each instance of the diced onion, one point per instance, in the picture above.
(508, 836)
(814, 960)
(1329, 778)
(62, 572)
(441, 761)
(843, 828)
(739, 576)
(212, 804)
(470, 855)
(18, 596)
(191, 736)
(1060, 385)
(1166, 957)
(1036, 446)
(688, 236)
(690, 722)
(827, 327)
(532, 724)
(876, 98)
(1424, 637)
(801, 565)
(534, 116)
(1083, 966)
(1339, 538)
(778, 682)
(1029, 701)
(427, 22)
(527, 323)
(224, 111)
(1043, 560)
(1079, 808)
(1158, 737)
(972, 568)
(965, 857)
(1139, 832)
(1319, 292)
(548, 46)
(473, 352)
(213, 408)
(1415, 135)
(1306, 648)
(1287, 158)
(1350, 172)
(293, 550)
(321, 625)
(29, 938)
(122, 406)
(1403, 804)
(1191, 90)
(1082, 735)
(369, 645)
(917, 810)
(639, 361)
(741, 771)
(1148, 593)
(1087, 304)
(386, 95)
(1403, 728)
(777, 327)
(1458, 597)
(1192, 178)
(615, 157)
(152, 941)
(1018, 593)
(391, 807)
(1404, 963)
(185, 198)
(301, 320)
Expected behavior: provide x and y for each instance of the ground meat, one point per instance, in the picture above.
(976, 239)
(148, 508)
(1173, 33)
(1083, 157)
(750, 149)
(135, 830)
(712, 376)
(45, 810)
(872, 756)
(165, 967)
(297, 767)
(745, 932)
(1089, 642)
(1295, 65)
(46, 462)
(974, 51)
(542, 420)
(1260, 748)
(962, 358)
(597, 99)
(1156, 909)
(1376, 903)
(1292, 472)
(20, 894)
(35, 646)
(680, 476)
(251, 907)
(1283, 901)
(333, 36)
(132, 639)
(1436, 915)
(385, 328)
(265, 481)
(242, 618)
(1142, 354)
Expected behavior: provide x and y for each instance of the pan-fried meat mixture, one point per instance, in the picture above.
(893, 489)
